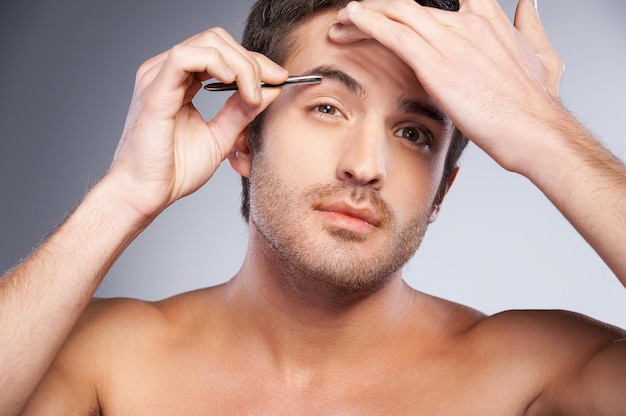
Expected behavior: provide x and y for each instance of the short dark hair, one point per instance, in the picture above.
(268, 31)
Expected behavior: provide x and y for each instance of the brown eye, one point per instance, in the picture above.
(414, 135)
(410, 134)
(327, 109)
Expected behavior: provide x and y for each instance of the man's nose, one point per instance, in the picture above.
(363, 160)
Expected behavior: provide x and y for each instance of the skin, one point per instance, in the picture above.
(271, 341)
(352, 139)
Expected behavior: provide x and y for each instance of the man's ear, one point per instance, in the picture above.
(437, 207)
(240, 157)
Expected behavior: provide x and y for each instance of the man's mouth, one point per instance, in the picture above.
(359, 219)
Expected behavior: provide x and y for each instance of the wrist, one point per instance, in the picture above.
(139, 203)
(546, 144)
(562, 153)
(115, 205)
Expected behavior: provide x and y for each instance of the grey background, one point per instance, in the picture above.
(67, 73)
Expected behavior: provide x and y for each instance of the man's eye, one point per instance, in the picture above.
(327, 109)
(413, 134)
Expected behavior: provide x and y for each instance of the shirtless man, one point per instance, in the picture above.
(318, 320)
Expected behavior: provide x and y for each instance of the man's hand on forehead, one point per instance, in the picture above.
(529, 34)
(479, 67)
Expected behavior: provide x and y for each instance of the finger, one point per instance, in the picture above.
(527, 21)
(184, 62)
(428, 23)
(178, 58)
(529, 24)
(392, 29)
(147, 71)
(271, 72)
(210, 54)
(245, 69)
(477, 15)
(235, 116)
(484, 19)
(186, 65)
(250, 68)
(192, 90)
(346, 33)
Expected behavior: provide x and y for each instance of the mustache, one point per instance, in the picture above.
(358, 196)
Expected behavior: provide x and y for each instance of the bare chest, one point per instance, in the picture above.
(371, 389)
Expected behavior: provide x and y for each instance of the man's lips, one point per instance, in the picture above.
(365, 214)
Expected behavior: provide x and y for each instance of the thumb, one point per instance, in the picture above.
(529, 24)
(235, 116)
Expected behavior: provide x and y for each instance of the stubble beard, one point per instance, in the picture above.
(334, 268)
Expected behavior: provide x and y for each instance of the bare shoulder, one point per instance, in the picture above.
(119, 320)
(523, 327)
(573, 364)
(541, 361)
(571, 334)
(107, 329)
(133, 327)
(113, 340)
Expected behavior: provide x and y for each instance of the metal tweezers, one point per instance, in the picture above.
(293, 80)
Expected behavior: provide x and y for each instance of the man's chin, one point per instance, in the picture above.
(347, 235)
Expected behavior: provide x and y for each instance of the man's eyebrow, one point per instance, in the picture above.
(337, 75)
(405, 105)
(424, 108)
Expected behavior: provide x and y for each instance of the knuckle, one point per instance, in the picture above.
(143, 77)
(403, 36)
(214, 35)
(476, 24)
(212, 53)
(176, 51)
(480, 23)
(219, 31)
(147, 65)
(555, 64)
(142, 70)
(560, 67)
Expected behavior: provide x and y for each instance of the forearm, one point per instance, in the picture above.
(587, 184)
(42, 298)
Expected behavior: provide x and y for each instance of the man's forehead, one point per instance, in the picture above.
(359, 67)
(311, 47)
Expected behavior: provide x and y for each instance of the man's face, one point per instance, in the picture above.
(343, 187)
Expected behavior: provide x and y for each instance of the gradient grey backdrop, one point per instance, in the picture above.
(67, 75)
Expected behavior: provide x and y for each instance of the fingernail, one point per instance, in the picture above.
(342, 13)
(336, 28)
(259, 95)
(535, 3)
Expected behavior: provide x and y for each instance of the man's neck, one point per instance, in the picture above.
(305, 324)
